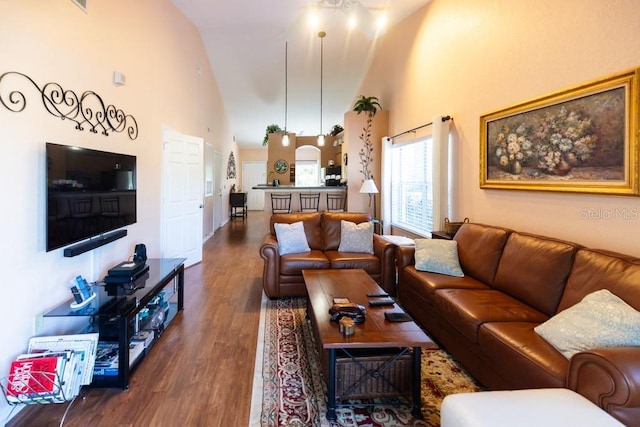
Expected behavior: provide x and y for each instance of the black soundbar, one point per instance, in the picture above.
(102, 240)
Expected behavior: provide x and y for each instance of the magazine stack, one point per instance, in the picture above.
(52, 371)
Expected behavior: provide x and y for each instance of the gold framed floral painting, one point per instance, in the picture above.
(583, 139)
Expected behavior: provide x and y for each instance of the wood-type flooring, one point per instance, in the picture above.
(200, 372)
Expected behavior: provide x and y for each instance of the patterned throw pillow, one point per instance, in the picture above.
(291, 238)
(600, 320)
(438, 256)
(356, 238)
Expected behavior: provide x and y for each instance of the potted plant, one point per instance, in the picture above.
(368, 105)
(335, 130)
(273, 128)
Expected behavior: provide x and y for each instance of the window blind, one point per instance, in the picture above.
(412, 204)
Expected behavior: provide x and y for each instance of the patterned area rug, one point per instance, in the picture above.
(289, 388)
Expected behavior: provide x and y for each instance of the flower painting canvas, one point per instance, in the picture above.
(580, 140)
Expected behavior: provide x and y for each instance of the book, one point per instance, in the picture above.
(35, 377)
(82, 346)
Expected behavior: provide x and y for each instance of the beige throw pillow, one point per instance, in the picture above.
(356, 238)
(291, 238)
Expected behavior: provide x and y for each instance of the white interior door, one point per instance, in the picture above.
(254, 173)
(219, 179)
(182, 196)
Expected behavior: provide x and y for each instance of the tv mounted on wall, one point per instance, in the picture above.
(89, 193)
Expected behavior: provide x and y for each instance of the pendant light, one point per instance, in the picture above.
(321, 34)
(285, 135)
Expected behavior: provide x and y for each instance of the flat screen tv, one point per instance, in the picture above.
(89, 193)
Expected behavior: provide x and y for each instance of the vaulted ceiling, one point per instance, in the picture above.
(245, 41)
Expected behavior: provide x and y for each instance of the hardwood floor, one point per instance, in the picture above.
(201, 371)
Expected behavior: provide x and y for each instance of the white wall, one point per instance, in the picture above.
(469, 57)
(168, 82)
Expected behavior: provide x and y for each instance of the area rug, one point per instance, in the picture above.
(289, 388)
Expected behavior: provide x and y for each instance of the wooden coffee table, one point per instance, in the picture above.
(376, 332)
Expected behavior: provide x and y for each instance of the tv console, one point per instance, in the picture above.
(148, 307)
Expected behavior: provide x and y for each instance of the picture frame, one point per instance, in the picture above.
(281, 166)
(583, 139)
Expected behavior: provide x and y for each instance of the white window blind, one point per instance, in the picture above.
(412, 195)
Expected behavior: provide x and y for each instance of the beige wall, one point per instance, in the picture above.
(469, 57)
(168, 83)
(277, 152)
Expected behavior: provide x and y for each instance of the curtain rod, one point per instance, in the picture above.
(444, 119)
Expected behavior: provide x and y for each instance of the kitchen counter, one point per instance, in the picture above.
(295, 191)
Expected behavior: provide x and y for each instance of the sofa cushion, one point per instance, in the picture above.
(522, 355)
(438, 256)
(356, 238)
(293, 264)
(479, 249)
(431, 282)
(368, 262)
(331, 226)
(467, 309)
(291, 238)
(600, 320)
(595, 269)
(534, 269)
(311, 221)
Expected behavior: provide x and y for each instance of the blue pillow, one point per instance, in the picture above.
(291, 238)
(438, 256)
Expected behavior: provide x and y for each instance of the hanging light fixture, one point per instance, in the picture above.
(321, 34)
(285, 135)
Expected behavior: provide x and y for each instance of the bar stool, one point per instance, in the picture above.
(336, 201)
(280, 203)
(309, 202)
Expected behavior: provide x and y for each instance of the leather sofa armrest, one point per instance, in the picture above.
(404, 257)
(270, 253)
(386, 253)
(610, 378)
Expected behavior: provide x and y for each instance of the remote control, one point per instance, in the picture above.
(377, 294)
(381, 302)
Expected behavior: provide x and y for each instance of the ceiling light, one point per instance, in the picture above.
(382, 21)
(353, 21)
(321, 34)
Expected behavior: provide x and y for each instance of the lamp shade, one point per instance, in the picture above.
(369, 187)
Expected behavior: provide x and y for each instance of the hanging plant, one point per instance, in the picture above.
(368, 105)
(270, 129)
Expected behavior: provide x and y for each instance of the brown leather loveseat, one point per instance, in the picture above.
(282, 275)
(513, 282)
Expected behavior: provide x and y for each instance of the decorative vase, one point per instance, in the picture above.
(516, 167)
(562, 168)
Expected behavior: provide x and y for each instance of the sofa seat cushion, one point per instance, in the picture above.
(535, 269)
(467, 309)
(523, 356)
(368, 262)
(293, 264)
(431, 282)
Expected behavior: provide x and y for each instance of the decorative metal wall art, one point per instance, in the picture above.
(231, 167)
(85, 110)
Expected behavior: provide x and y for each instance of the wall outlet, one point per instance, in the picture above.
(38, 324)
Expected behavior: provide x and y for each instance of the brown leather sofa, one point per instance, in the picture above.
(513, 282)
(282, 275)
